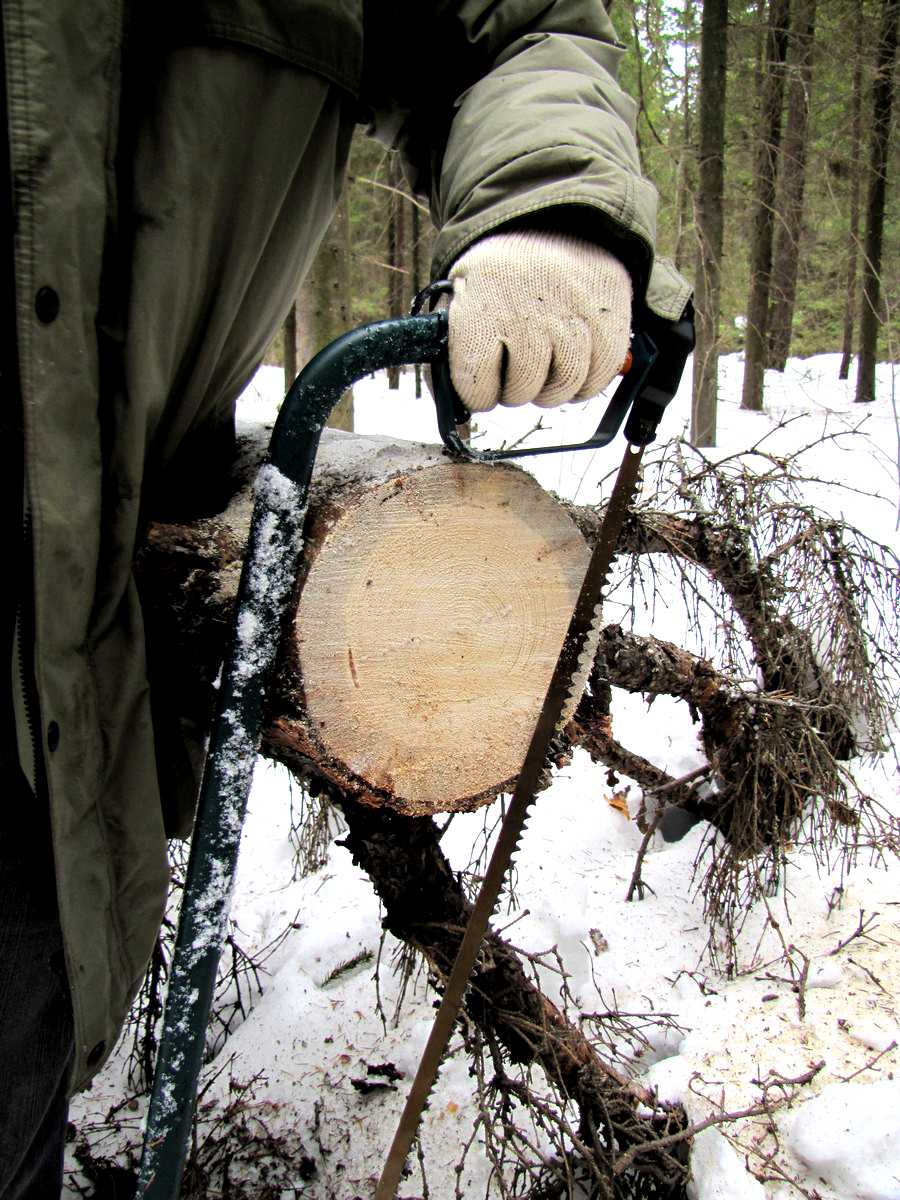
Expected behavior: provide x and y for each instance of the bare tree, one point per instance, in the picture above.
(323, 302)
(398, 283)
(683, 217)
(882, 102)
(855, 196)
(765, 175)
(710, 202)
(792, 183)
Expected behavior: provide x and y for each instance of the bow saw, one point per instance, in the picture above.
(659, 350)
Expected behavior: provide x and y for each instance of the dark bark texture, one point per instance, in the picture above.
(710, 216)
(763, 220)
(882, 104)
(792, 184)
(850, 299)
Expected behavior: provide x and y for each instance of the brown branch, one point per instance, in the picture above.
(762, 1108)
(637, 884)
(870, 1064)
(783, 652)
(863, 925)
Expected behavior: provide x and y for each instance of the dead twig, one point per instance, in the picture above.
(764, 1107)
(870, 1064)
(863, 925)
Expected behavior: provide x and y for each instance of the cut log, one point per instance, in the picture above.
(432, 608)
(433, 604)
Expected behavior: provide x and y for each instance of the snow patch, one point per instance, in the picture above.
(718, 1172)
(849, 1135)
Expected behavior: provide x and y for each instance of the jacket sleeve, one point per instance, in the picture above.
(509, 113)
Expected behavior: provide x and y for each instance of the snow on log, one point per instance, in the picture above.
(432, 607)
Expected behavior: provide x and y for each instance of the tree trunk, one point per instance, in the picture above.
(428, 620)
(792, 178)
(431, 613)
(415, 237)
(760, 27)
(710, 199)
(765, 174)
(376, 508)
(398, 286)
(683, 215)
(289, 345)
(882, 101)
(855, 196)
(323, 302)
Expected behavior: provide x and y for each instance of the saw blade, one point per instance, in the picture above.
(569, 668)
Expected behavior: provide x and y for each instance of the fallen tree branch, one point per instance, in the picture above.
(765, 1107)
(425, 907)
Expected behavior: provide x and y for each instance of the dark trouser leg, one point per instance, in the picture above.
(35, 1016)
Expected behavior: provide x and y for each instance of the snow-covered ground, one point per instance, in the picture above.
(316, 1028)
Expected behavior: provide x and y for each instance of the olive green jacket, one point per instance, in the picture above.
(172, 175)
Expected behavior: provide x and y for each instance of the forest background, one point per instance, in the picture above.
(796, 98)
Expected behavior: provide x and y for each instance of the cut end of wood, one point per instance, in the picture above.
(428, 626)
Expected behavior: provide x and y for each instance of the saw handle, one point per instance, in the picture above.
(649, 383)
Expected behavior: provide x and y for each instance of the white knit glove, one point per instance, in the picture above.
(536, 316)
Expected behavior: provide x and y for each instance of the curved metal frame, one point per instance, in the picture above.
(276, 529)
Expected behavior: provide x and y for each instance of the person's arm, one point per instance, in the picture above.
(509, 117)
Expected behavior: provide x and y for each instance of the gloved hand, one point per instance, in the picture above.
(543, 317)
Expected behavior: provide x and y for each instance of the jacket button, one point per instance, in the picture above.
(52, 736)
(46, 305)
(96, 1054)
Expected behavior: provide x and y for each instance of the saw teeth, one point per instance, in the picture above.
(585, 662)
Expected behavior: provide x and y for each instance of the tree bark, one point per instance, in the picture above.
(323, 303)
(710, 225)
(396, 258)
(882, 102)
(289, 346)
(683, 214)
(851, 299)
(792, 181)
(762, 227)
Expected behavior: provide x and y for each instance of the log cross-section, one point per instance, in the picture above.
(431, 612)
